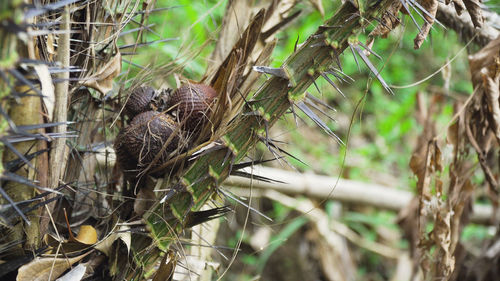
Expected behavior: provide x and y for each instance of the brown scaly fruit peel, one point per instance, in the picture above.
(138, 144)
(192, 103)
(139, 101)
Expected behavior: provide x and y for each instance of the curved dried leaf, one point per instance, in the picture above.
(459, 6)
(102, 81)
(484, 58)
(319, 6)
(125, 236)
(49, 96)
(106, 244)
(87, 235)
(431, 7)
(237, 15)
(43, 269)
(491, 85)
(167, 268)
(475, 12)
(388, 22)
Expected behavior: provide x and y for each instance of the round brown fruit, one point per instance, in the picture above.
(139, 101)
(144, 139)
(126, 162)
(193, 102)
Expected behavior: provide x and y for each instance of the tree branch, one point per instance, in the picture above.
(463, 25)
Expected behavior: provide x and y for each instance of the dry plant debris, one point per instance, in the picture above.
(426, 9)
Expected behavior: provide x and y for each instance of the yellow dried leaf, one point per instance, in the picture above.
(87, 235)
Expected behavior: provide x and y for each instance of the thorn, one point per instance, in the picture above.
(137, 29)
(23, 79)
(302, 106)
(255, 177)
(36, 11)
(409, 13)
(332, 83)
(279, 72)
(16, 152)
(311, 103)
(428, 14)
(373, 69)
(228, 194)
(370, 51)
(292, 108)
(333, 71)
(316, 85)
(296, 43)
(157, 10)
(147, 43)
(355, 59)
(251, 163)
(134, 64)
(315, 99)
(13, 204)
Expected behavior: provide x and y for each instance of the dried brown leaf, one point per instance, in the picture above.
(244, 46)
(491, 85)
(167, 267)
(102, 81)
(236, 17)
(452, 136)
(442, 239)
(484, 58)
(388, 22)
(483, 112)
(475, 12)
(319, 6)
(460, 202)
(43, 269)
(431, 7)
(459, 6)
